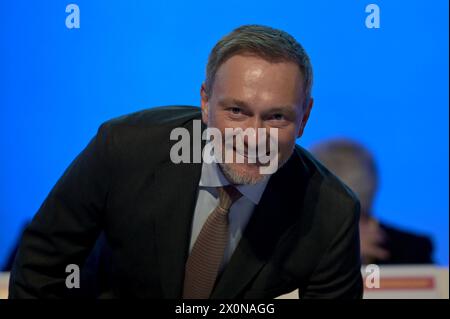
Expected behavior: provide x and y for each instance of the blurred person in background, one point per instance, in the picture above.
(380, 243)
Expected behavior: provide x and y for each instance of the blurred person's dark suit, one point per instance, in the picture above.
(303, 234)
(405, 247)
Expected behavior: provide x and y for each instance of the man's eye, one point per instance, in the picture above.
(277, 117)
(235, 110)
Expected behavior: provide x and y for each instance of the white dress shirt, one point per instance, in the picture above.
(240, 211)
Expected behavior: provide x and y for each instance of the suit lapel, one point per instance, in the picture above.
(271, 218)
(177, 196)
(252, 251)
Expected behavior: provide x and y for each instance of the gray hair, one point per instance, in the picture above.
(271, 44)
(353, 164)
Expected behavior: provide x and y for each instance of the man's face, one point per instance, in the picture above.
(250, 92)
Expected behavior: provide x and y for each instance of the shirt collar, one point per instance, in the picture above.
(212, 176)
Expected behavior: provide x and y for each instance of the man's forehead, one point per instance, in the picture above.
(251, 62)
(230, 101)
(254, 73)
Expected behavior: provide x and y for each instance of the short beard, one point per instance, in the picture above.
(241, 179)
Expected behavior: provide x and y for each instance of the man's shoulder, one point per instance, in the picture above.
(144, 136)
(329, 204)
(329, 185)
(148, 125)
(174, 115)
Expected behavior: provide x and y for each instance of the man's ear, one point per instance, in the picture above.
(305, 118)
(204, 103)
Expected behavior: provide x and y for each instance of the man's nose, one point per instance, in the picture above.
(254, 138)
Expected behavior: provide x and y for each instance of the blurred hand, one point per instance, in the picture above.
(372, 238)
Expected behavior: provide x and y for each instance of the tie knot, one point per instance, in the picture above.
(227, 196)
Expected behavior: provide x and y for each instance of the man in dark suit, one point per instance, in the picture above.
(204, 229)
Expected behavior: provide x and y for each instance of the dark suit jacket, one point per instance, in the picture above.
(303, 234)
(405, 247)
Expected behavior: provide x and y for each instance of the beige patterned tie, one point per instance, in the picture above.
(207, 253)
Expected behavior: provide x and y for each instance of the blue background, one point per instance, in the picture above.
(387, 88)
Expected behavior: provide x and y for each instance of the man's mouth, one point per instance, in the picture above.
(251, 159)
